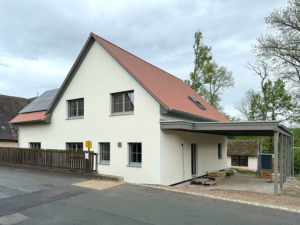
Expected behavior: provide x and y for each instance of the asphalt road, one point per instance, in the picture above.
(31, 197)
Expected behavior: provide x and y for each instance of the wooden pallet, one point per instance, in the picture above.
(215, 178)
(209, 183)
(199, 180)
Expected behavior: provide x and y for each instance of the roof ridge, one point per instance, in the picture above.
(136, 56)
(15, 96)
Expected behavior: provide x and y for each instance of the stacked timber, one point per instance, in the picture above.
(217, 175)
(265, 174)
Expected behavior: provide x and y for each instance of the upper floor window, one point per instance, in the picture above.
(75, 146)
(76, 108)
(36, 145)
(123, 102)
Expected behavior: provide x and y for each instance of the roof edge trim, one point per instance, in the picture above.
(185, 115)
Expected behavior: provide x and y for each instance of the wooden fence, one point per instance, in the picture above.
(80, 161)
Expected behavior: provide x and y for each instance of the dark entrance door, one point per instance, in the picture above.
(194, 159)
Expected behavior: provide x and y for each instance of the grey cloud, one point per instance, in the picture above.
(161, 33)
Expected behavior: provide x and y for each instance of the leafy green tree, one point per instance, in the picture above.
(280, 105)
(203, 56)
(208, 79)
(216, 79)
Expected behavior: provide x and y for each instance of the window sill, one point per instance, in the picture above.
(102, 163)
(122, 114)
(75, 118)
(138, 166)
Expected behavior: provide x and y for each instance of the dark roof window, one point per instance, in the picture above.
(197, 103)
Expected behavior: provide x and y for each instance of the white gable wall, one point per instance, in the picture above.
(98, 76)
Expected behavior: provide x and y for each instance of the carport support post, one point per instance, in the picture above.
(285, 157)
(281, 161)
(290, 158)
(276, 163)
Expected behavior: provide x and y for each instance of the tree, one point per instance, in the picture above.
(208, 79)
(202, 58)
(280, 105)
(283, 47)
(215, 80)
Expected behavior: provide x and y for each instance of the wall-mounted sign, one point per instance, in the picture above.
(88, 144)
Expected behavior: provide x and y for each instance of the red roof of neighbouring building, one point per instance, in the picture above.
(30, 117)
(168, 89)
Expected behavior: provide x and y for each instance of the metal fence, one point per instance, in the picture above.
(80, 161)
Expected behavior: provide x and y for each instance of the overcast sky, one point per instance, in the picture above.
(40, 40)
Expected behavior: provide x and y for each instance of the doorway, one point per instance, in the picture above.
(194, 159)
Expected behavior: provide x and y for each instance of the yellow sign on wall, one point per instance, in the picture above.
(88, 144)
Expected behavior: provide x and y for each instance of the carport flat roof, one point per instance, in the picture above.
(249, 128)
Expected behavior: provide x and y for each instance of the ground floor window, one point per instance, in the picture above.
(135, 154)
(35, 145)
(104, 153)
(75, 146)
(239, 161)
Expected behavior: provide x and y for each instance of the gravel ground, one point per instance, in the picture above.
(98, 184)
(242, 182)
(241, 187)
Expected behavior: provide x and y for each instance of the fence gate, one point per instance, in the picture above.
(80, 161)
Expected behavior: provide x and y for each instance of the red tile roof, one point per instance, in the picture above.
(27, 117)
(168, 89)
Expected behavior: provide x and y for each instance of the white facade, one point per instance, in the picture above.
(97, 78)
(252, 163)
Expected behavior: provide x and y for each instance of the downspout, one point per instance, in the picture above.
(183, 161)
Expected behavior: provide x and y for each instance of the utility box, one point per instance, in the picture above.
(264, 162)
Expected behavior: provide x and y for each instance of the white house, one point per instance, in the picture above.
(242, 154)
(120, 103)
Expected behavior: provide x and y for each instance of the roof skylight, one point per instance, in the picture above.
(197, 103)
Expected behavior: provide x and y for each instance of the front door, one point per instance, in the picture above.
(194, 159)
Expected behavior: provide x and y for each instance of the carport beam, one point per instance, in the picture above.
(281, 161)
(276, 163)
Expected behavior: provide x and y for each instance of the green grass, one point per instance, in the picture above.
(244, 171)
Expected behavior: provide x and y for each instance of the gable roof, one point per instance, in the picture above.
(9, 108)
(243, 147)
(171, 92)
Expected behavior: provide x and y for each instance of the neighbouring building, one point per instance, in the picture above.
(242, 154)
(9, 108)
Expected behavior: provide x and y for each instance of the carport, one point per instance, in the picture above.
(255, 128)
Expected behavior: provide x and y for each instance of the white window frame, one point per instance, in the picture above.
(134, 164)
(68, 108)
(101, 161)
(34, 145)
(67, 146)
(220, 156)
(113, 103)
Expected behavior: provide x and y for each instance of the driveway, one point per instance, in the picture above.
(40, 197)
